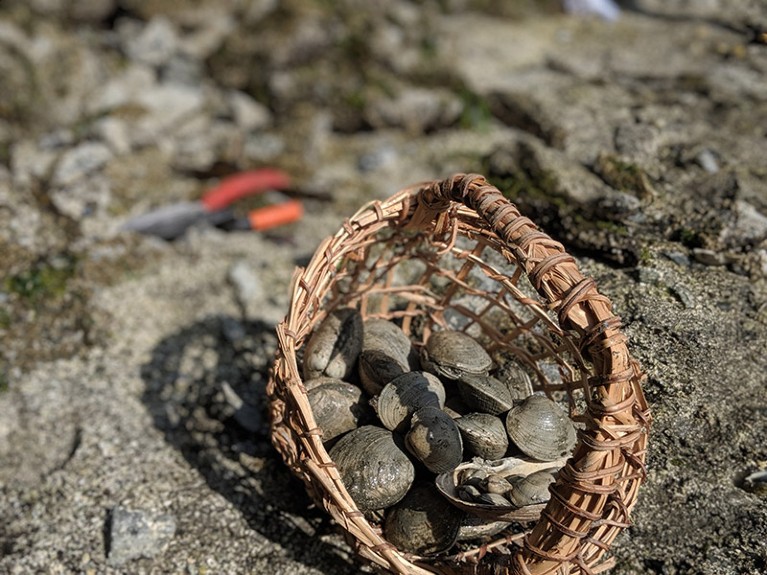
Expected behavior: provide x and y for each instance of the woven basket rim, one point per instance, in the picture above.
(597, 489)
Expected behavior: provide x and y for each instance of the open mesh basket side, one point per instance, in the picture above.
(457, 254)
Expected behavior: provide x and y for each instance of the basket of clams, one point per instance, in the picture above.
(456, 394)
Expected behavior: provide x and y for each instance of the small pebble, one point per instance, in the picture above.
(606, 9)
(708, 257)
(248, 287)
(683, 295)
(156, 43)
(248, 113)
(80, 161)
(136, 533)
(707, 160)
(678, 258)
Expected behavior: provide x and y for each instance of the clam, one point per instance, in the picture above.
(338, 407)
(405, 395)
(540, 428)
(452, 354)
(434, 440)
(333, 348)
(496, 483)
(376, 472)
(493, 499)
(532, 489)
(385, 335)
(385, 354)
(310, 384)
(468, 492)
(482, 392)
(423, 523)
(379, 367)
(483, 435)
(516, 380)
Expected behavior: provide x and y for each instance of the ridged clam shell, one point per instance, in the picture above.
(379, 367)
(532, 489)
(338, 407)
(375, 471)
(485, 393)
(385, 354)
(434, 440)
(423, 522)
(483, 435)
(540, 428)
(405, 395)
(516, 380)
(333, 348)
(452, 354)
(385, 335)
(310, 384)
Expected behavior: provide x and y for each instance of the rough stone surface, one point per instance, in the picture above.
(132, 370)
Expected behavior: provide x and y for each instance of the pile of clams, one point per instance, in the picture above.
(438, 444)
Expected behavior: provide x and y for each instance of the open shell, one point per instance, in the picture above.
(447, 484)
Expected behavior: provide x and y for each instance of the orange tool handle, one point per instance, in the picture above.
(276, 215)
(231, 189)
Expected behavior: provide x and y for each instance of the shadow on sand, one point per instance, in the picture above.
(205, 388)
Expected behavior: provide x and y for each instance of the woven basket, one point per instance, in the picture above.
(456, 254)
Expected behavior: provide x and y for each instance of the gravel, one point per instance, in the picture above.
(132, 410)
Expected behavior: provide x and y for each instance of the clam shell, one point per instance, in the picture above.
(434, 440)
(423, 522)
(333, 348)
(483, 435)
(449, 484)
(485, 393)
(384, 335)
(405, 395)
(496, 483)
(338, 407)
(375, 471)
(531, 490)
(310, 384)
(452, 354)
(385, 354)
(540, 428)
(379, 367)
(516, 380)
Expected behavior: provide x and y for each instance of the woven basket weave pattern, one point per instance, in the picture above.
(456, 253)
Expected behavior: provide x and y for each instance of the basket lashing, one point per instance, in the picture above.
(455, 253)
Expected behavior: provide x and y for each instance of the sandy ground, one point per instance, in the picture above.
(133, 432)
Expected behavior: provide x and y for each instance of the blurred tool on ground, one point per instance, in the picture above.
(171, 221)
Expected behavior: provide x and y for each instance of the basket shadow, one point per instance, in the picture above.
(205, 388)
